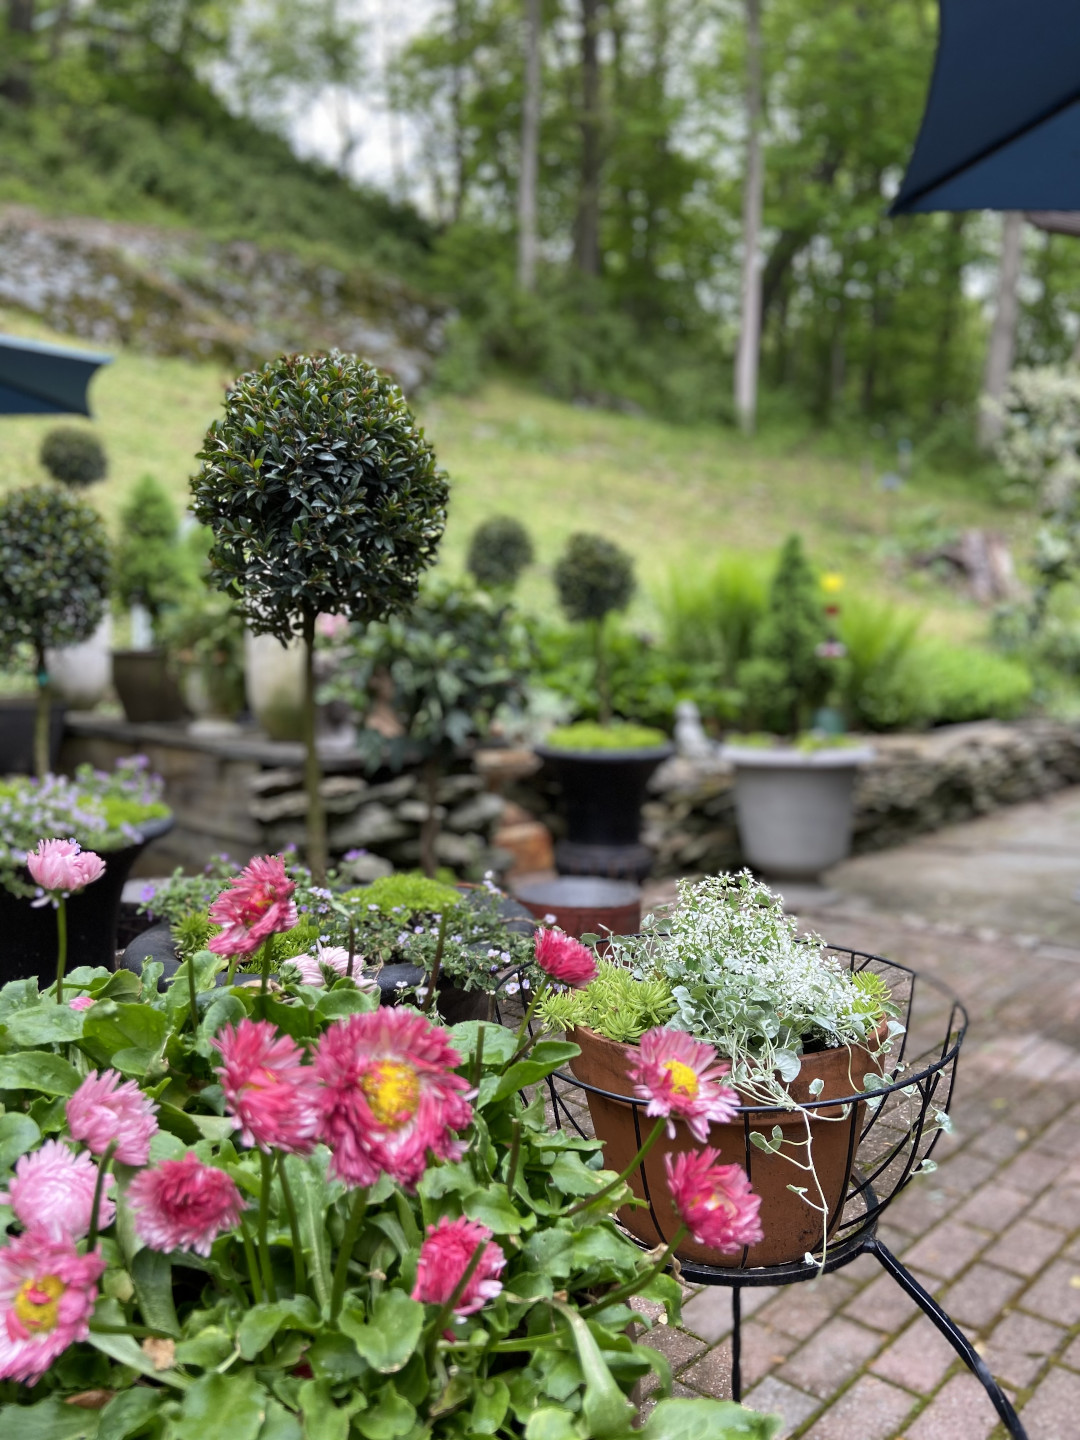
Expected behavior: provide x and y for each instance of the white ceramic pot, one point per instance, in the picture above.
(80, 674)
(274, 677)
(794, 807)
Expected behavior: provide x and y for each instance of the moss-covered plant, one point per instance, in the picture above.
(323, 496)
(618, 735)
(453, 660)
(73, 456)
(54, 576)
(787, 678)
(499, 551)
(594, 579)
(151, 568)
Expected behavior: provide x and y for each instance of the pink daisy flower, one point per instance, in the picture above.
(53, 1191)
(565, 960)
(271, 1093)
(257, 903)
(444, 1258)
(679, 1075)
(61, 867)
(389, 1096)
(715, 1202)
(184, 1204)
(81, 1002)
(334, 957)
(106, 1108)
(47, 1295)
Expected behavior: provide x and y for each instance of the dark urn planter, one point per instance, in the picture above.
(602, 795)
(147, 687)
(17, 716)
(93, 915)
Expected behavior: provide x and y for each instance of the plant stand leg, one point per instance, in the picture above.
(955, 1336)
(736, 1344)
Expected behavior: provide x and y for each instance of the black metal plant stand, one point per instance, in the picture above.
(892, 1134)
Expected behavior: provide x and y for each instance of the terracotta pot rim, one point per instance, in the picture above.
(780, 1112)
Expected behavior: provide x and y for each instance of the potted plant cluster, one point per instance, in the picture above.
(446, 666)
(152, 575)
(323, 496)
(54, 575)
(793, 796)
(114, 814)
(722, 987)
(280, 1210)
(602, 767)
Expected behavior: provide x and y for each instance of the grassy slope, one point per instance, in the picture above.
(671, 495)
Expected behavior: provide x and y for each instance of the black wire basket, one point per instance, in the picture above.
(888, 1134)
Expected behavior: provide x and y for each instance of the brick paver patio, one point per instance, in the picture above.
(994, 1233)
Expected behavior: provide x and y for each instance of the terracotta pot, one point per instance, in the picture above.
(791, 1227)
(585, 904)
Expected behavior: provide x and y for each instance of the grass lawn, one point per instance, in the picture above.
(674, 496)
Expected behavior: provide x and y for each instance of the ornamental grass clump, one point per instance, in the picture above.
(54, 578)
(324, 497)
(246, 1212)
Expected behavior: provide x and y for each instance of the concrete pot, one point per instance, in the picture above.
(79, 675)
(274, 678)
(147, 687)
(791, 1227)
(17, 718)
(793, 807)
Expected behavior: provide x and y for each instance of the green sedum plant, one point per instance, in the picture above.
(617, 1004)
(323, 496)
(54, 575)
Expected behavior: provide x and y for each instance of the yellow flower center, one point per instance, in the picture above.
(392, 1091)
(684, 1080)
(37, 1302)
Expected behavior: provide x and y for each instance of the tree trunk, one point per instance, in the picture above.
(746, 361)
(41, 719)
(15, 81)
(316, 814)
(587, 238)
(530, 150)
(999, 357)
(457, 104)
(429, 828)
(603, 684)
(953, 278)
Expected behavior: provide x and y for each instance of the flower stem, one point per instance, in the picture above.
(265, 961)
(515, 1152)
(99, 1190)
(523, 1038)
(648, 1143)
(61, 946)
(436, 964)
(299, 1275)
(252, 1263)
(447, 1309)
(264, 1225)
(635, 1286)
(348, 1240)
(191, 993)
(352, 946)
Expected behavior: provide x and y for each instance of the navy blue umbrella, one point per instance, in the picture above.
(39, 379)
(1002, 123)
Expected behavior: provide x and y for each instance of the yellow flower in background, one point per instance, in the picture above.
(832, 583)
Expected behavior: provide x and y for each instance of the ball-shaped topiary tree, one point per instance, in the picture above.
(593, 578)
(54, 578)
(499, 551)
(787, 678)
(74, 456)
(151, 569)
(323, 496)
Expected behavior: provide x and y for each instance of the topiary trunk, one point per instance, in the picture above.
(41, 719)
(429, 829)
(316, 814)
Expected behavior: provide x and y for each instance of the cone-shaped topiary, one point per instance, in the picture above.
(54, 577)
(785, 680)
(151, 569)
(499, 551)
(74, 456)
(323, 496)
(593, 577)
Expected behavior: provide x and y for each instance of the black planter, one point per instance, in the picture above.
(147, 687)
(17, 716)
(30, 933)
(602, 795)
